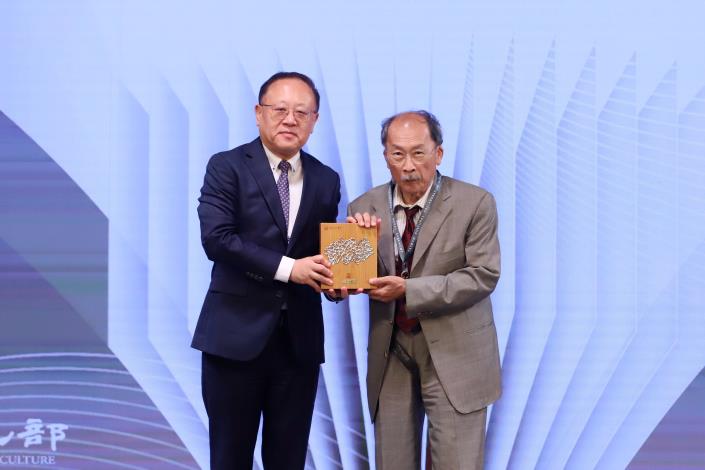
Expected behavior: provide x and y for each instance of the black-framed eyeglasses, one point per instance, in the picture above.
(280, 112)
(417, 156)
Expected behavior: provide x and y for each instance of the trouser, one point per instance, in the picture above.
(271, 386)
(457, 440)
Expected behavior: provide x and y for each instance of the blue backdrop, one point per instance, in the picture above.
(585, 119)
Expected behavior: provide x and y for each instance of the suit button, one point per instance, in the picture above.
(279, 294)
(386, 354)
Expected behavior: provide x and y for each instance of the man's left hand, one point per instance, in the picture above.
(387, 288)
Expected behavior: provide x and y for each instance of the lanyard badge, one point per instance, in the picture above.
(404, 255)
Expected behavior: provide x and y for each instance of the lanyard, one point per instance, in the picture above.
(404, 255)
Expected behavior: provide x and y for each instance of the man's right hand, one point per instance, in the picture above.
(312, 271)
(343, 293)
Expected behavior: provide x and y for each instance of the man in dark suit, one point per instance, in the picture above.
(261, 328)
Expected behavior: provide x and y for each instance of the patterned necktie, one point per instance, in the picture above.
(283, 188)
(406, 324)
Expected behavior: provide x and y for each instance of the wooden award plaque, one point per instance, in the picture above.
(352, 250)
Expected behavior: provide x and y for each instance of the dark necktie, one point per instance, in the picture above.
(406, 324)
(283, 188)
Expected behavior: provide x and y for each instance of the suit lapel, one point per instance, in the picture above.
(437, 214)
(261, 172)
(385, 245)
(307, 197)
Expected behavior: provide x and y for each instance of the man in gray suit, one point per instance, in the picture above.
(432, 342)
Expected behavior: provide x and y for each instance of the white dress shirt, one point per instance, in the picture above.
(296, 186)
(400, 216)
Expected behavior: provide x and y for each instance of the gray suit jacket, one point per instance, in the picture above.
(455, 269)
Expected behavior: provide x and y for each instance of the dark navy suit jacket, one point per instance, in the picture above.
(243, 232)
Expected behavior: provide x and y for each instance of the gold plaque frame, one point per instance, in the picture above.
(352, 250)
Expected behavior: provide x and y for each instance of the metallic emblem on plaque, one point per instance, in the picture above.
(348, 251)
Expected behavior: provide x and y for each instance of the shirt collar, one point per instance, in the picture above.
(294, 161)
(398, 201)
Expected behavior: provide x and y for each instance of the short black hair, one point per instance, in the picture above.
(434, 127)
(284, 75)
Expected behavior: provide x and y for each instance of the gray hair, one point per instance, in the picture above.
(434, 127)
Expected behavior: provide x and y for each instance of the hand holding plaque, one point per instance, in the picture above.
(352, 252)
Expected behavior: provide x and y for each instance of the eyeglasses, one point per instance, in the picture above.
(279, 113)
(417, 156)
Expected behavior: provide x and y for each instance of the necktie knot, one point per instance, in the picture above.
(411, 212)
(284, 166)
